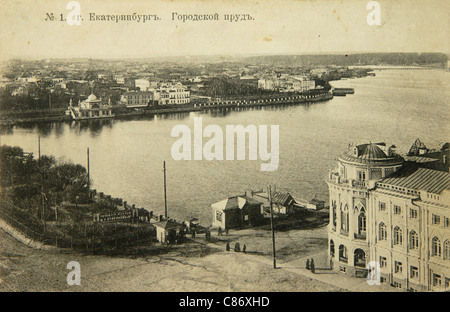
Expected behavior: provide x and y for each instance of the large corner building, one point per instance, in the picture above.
(393, 210)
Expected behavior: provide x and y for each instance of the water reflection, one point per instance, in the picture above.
(94, 127)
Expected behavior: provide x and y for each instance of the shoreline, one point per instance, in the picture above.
(145, 111)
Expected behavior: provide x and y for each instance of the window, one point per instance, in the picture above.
(362, 222)
(414, 272)
(413, 240)
(447, 250)
(397, 210)
(361, 175)
(398, 267)
(447, 282)
(344, 218)
(437, 280)
(398, 240)
(413, 213)
(436, 247)
(383, 262)
(219, 215)
(382, 206)
(435, 219)
(446, 222)
(383, 231)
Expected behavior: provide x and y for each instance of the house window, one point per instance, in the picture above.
(245, 217)
(398, 240)
(435, 247)
(383, 231)
(383, 262)
(397, 210)
(398, 267)
(414, 272)
(413, 213)
(413, 240)
(435, 219)
(437, 280)
(361, 175)
(219, 215)
(344, 218)
(447, 283)
(382, 206)
(446, 222)
(447, 250)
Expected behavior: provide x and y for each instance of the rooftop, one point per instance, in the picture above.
(371, 153)
(432, 181)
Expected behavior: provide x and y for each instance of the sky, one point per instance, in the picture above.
(278, 27)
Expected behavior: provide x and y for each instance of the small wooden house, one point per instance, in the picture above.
(168, 231)
(237, 212)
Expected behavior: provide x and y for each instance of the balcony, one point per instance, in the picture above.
(343, 232)
(361, 236)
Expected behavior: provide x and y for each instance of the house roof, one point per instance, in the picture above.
(283, 199)
(432, 181)
(167, 224)
(235, 202)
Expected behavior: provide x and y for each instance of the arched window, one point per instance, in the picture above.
(447, 250)
(435, 247)
(362, 222)
(343, 256)
(344, 218)
(383, 231)
(398, 239)
(360, 258)
(413, 240)
(334, 213)
(332, 248)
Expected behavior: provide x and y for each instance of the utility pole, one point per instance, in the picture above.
(42, 184)
(165, 191)
(272, 227)
(88, 171)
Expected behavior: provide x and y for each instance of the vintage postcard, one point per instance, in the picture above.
(224, 146)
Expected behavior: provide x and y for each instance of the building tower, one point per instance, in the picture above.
(359, 168)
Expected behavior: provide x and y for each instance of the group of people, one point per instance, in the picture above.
(237, 247)
(310, 265)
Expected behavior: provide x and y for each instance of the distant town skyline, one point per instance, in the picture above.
(279, 28)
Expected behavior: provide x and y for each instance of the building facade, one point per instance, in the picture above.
(392, 212)
(139, 98)
(237, 212)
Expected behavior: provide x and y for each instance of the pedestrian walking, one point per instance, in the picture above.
(244, 248)
(313, 267)
(237, 247)
(307, 264)
(228, 247)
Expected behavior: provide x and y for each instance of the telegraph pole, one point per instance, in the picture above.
(88, 171)
(272, 227)
(42, 183)
(165, 191)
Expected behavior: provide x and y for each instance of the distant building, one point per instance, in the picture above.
(170, 94)
(282, 202)
(139, 98)
(315, 204)
(393, 212)
(168, 231)
(91, 108)
(237, 212)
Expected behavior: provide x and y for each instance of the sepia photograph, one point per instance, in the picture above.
(239, 148)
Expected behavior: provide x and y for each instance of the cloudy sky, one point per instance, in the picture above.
(279, 27)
